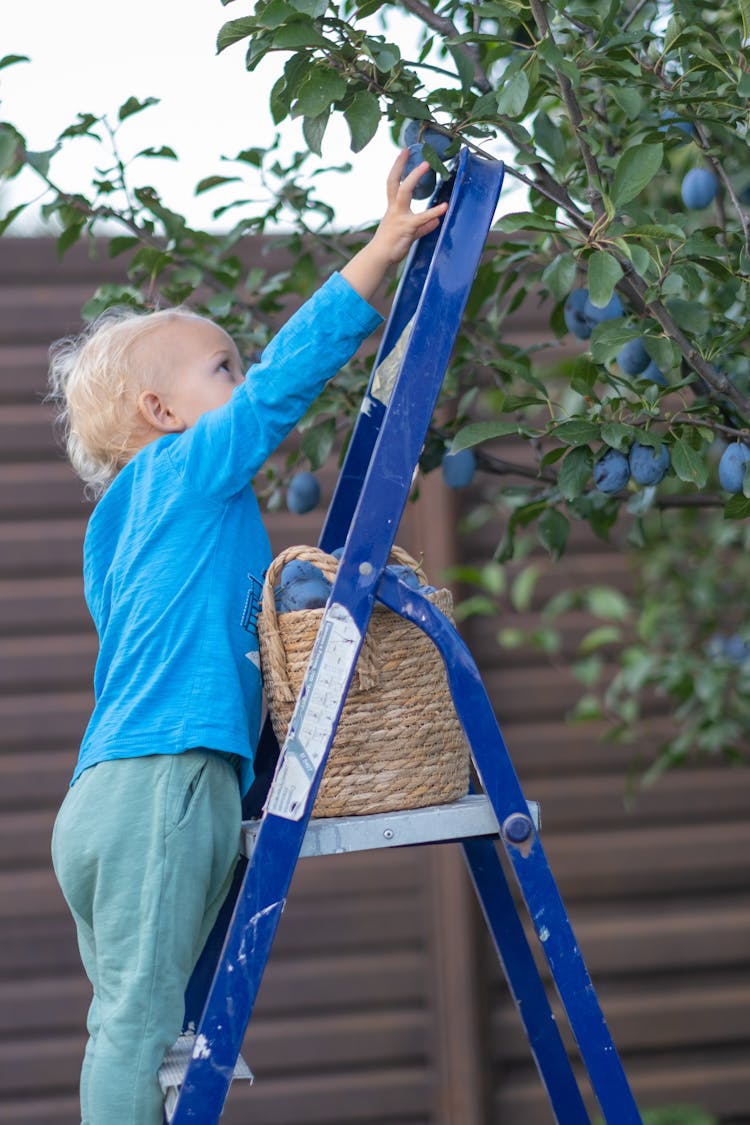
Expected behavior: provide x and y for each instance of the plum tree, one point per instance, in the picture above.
(607, 117)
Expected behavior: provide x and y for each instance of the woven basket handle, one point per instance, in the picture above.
(367, 664)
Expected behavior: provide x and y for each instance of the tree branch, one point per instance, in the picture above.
(448, 30)
(635, 288)
(544, 183)
(574, 112)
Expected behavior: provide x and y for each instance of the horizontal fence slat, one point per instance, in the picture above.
(649, 1017)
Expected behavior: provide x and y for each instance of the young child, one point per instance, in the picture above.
(161, 423)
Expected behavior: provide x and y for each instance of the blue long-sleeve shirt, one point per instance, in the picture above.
(175, 553)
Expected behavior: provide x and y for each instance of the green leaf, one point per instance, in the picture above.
(635, 169)
(608, 338)
(604, 272)
(9, 218)
(688, 464)
(560, 275)
(576, 432)
(525, 220)
(40, 161)
(628, 99)
(607, 602)
(513, 95)
(618, 436)
(522, 590)
(68, 237)
(575, 472)
(9, 148)
(363, 117)
(279, 100)
(313, 130)
(597, 638)
(408, 106)
(317, 442)
(386, 56)
(121, 243)
(313, 8)
(234, 31)
(429, 153)
(478, 432)
(737, 508)
(135, 105)
(464, 67)
(552, 531)
(214, 181)
(273, 14)
(318, 92)
(82, 128)
(583, 375)
(11, 60)
(692, 316)
(587, 708)
(219, 304)
(291, 36)
(164, 152)
(656, 231)
(549, 136)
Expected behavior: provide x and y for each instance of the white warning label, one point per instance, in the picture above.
(310, 731)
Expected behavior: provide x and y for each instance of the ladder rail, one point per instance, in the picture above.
(525, 985)
(524, 850)
(372, 412)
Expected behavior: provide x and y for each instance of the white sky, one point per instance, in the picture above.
(88, 56)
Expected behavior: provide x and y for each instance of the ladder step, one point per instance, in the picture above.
(172, 1070)
(469, 817)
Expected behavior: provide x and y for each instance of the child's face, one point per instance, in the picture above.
(199, 368)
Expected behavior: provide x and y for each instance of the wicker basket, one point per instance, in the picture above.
(399, 744)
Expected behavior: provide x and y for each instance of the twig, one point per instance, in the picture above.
(574, 113)
(447, 28)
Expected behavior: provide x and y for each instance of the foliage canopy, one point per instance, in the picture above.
(605, 108)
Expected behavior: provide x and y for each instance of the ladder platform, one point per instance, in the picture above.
(471, 816)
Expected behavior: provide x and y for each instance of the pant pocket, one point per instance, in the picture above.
(187, 796)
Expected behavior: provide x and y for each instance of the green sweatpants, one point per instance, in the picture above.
(144, 850)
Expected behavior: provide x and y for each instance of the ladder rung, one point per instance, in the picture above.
(471, 816)
(172, 1070)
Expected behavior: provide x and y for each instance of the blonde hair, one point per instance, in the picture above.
(95, 379)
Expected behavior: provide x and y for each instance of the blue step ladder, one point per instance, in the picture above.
(364, 515)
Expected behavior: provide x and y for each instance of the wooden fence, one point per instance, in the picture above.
(383, 1002)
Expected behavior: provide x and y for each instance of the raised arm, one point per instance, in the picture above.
(397, 230)
(227, 445)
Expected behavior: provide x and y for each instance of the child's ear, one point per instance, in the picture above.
(156, 413)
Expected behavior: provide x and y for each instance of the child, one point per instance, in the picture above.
(157, 412)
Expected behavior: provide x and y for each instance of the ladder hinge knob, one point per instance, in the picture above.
(517, 828)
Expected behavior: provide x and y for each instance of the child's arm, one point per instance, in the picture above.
(227, 446)
(398, 229)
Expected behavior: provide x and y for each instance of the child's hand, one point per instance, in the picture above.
(399, 227)
(397, 230)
